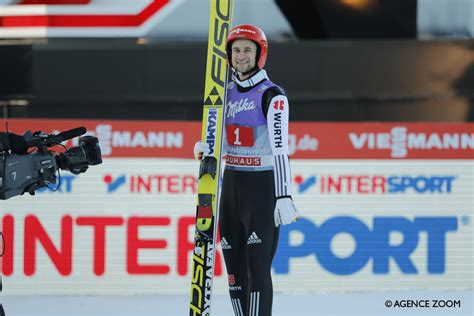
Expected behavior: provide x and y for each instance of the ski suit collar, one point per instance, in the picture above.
(252, 81)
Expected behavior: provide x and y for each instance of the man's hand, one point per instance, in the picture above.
(201, 150)
(285, 212)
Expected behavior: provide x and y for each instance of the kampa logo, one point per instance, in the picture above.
(305, 184)
(253, 239)
(211, 129)
(114, 184)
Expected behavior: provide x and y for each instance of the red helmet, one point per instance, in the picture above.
(252, 33)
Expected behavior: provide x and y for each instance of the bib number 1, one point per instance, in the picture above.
(240, 135)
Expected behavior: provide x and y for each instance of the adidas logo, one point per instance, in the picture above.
(253, 239)
(225, 245)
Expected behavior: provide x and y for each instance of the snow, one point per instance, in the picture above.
(329, 304)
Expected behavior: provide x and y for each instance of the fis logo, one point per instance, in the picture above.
(305, 184)
(254, 239)
(113, 185)
(211, 129)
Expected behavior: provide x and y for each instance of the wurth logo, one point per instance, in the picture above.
(254, 239)
(234, 287)
(231, 279)
(279, 105)
(277, 130)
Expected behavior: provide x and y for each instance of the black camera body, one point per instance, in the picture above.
(31, 171)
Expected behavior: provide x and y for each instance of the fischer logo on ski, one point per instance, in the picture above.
(210, 168)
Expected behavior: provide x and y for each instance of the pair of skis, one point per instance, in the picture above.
(210, 168)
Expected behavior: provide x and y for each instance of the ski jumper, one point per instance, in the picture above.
(257, 172)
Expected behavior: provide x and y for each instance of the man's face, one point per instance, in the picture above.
(244, 53)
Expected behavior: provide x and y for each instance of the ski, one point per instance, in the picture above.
(207, 209)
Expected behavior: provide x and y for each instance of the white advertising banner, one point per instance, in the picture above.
(126, 227)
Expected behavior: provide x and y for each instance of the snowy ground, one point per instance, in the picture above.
(363, 304)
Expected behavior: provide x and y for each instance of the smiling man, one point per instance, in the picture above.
(256, 189)
(244, 53)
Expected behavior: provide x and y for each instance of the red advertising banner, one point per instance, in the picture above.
(308, 140)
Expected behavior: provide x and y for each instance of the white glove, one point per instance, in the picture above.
(285, 212)
(201, 150)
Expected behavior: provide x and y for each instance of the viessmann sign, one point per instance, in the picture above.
(81, 18)
(175, 139)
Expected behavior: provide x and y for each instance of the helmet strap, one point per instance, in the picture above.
(253, 70)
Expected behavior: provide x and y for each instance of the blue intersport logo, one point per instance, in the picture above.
(370, 244)
(304, 184)
(114, 184)
(376, 184)
(420, 184)
(65, 185)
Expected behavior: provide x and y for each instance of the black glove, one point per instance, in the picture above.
(17, 144)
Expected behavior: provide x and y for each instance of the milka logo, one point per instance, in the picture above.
(234, 108)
